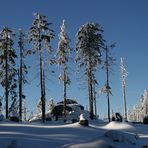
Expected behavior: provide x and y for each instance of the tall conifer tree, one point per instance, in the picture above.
(63, 55)
(8, 71)
(89, 41)
(40, 36)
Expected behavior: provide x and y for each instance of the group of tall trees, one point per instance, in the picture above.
(89, 47)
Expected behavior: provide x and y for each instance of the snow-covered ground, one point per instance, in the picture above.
(60, 135)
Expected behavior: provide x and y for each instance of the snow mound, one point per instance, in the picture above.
(118, 136)
(93, 144)
(119, 125)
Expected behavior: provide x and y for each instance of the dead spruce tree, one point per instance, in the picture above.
(63, 56)
(40, 36)
(108, 63)
(89, 41)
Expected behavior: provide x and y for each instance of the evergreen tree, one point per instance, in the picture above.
(109, 61)
(39, 108)
(89, 41)
(63, 56)
(40, 36)
(50, 105)
(8, 71)
(22, 69)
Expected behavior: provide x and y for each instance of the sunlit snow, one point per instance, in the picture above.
(59, 135)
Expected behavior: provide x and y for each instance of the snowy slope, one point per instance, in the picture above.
(58, 135)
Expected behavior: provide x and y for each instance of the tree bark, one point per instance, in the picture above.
(6, 79)
(91, 96)
(90, 91)
(42, 88)
(65, 93)
(20, 82)
(107, 84)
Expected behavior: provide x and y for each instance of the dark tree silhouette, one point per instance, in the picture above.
(89, 41)
(8, 71)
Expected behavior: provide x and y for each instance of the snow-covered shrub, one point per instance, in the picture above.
(83, 120)
(145, 120)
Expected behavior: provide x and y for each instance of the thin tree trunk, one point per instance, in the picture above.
(91, 96)
(88, 83)
(65, 93)
(41, 79)
(95, 102)
(6, 79)
(107, 84)
(20, 83)
(25, 110)
(125, 108)
(90, 91)
(42, 88)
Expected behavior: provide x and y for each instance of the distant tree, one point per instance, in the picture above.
(8, 71)
(124, 75)
(50, 104)
(39, 108)
(145, 103)
(63, 56)
(40, 36)
(89, 42)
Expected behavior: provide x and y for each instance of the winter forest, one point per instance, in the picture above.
(73, 74)
(90, 54)
(89, 50)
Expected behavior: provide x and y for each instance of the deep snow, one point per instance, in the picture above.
(60, 135)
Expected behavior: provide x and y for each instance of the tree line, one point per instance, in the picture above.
(91, 52)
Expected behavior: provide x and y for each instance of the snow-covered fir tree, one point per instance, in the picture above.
(39, 108)
(50, 105)
(8, 71)
(63, 56)
(89, 42)
(40, 35)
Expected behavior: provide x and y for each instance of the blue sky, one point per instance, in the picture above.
(124, 22)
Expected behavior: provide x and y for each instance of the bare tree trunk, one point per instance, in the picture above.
(95, 102)
(107, 84)
(20, 83)
(25, 110)
(125, 108)
(91, 96)
(42, 88)
(88, 84)
(6, 80)
(65, 93)
(90, 91)
(44, 106)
